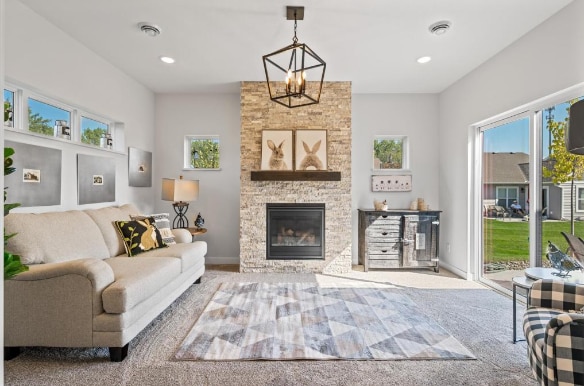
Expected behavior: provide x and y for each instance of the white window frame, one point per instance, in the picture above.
(110, 125)
(405, 153)
(507, 189)
(15, 104)
(579, 201)
(22, 93)
(187, 150)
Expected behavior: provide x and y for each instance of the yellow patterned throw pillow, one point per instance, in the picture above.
(162, 223)
(139, 235)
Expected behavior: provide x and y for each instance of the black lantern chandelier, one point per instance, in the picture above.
(295, 73)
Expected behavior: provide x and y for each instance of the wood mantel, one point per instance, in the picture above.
(307, 175)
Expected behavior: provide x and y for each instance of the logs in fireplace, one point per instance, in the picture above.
(295, 231)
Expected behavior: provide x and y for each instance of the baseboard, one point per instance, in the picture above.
(221, 260)
(454, 270)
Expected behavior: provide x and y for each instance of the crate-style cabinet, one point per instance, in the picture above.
(399, 239)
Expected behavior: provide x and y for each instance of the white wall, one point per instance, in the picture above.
(40, 55)
(546, 60)
(203, 114)
(414, 115)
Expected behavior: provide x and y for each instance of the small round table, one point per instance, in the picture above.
(197, 231)
(531, 275)
(525, 283)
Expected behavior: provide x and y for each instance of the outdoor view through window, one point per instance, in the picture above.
(505, 194)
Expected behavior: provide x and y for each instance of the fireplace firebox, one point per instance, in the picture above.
(295, 231)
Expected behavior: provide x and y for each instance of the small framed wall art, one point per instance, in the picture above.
(96, 179)
(311, 150)
(139, 167)
(37, 179)
(277, 150)
(391, 183)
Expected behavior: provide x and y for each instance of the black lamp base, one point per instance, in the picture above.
(181, 220)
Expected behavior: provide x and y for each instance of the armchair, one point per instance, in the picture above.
(555, 333)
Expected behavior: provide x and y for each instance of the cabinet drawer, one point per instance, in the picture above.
(384, 263)
(383, 249)
(386, 231)
(384, 220)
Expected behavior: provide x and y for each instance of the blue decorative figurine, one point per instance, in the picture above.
(199, 221)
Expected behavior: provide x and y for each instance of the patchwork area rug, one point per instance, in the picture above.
(286, 321)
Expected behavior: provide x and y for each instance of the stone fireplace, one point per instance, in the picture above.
(332, 114)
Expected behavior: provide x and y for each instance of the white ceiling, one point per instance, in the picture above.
(372, 43)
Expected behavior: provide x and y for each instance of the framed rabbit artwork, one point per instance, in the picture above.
(277, 150)
(311, 150)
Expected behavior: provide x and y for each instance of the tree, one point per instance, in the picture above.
(564, 166)
(205, 154)
(92, 136)
(389, 153)
(38, 124)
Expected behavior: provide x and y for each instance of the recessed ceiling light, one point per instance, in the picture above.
(440, 27)
(149, 29)
(167, 59)
(424, 59)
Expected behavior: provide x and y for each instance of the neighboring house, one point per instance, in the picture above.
(506, 178)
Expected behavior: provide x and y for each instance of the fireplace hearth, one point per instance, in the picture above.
(295, 231)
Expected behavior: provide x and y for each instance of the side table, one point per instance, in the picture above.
(525, 283)
(197, 231)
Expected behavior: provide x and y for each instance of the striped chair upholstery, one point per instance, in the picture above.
(555, 336)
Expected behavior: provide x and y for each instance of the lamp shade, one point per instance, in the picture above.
(180, 190)
(575, 129)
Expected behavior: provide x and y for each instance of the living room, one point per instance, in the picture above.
(438, 122)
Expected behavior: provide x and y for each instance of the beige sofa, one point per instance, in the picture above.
(82, 290)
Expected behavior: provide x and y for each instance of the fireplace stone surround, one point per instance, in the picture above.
(333, 114)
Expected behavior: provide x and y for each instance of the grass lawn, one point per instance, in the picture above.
(509, 240)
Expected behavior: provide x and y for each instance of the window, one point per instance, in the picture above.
(8, 108)
(506, 196)
(580, 200)
(92, 131)
(202, 152)
(390, 153)
(42, 117)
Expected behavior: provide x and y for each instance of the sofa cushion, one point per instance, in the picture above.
(162, 223)
(137, 280)
(54, 237)
(190, 254)
(139, 236)
(104, 218)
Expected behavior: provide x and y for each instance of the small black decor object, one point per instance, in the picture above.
(199, 221)
(560, 261)
(575, 130)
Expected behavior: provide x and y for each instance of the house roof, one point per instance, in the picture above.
(505, 168)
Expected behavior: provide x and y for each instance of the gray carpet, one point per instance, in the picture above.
(299, 321)
(479, 318)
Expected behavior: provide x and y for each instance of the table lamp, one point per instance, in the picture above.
(181, 192)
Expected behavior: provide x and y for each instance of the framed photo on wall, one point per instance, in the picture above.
(277, 150)
(311, 150)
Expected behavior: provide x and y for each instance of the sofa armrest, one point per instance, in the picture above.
(182, 235)
(54, 304)
(556, 294)
(563, 340)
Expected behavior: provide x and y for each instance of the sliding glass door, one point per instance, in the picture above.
(505, 199)
(531, 191)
